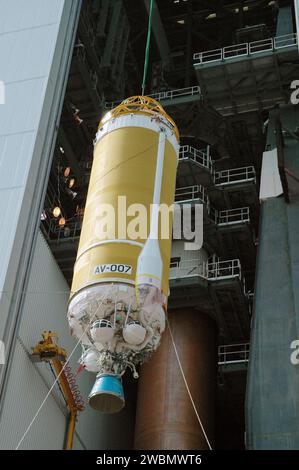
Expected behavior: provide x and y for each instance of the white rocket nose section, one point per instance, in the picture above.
(150, 265)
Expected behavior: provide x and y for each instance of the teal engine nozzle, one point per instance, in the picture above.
(107, 394)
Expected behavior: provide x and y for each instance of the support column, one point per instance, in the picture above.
(272, 397)
(165, 416)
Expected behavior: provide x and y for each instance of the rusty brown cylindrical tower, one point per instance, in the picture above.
(165, 418)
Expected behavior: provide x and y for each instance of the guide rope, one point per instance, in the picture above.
(187, 387)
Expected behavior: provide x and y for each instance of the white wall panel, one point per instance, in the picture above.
(45, 308)
(25, 392)
(36, 38)
(25, 14)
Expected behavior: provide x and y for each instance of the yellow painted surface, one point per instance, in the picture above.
(124, 165)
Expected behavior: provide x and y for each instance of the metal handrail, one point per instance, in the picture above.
(233, 353)
(207, 270)
(246, 49)
(285, 40)
(232, 216)
(261, 45)
(187, 268)
(198, 156)
(235, 175)
(209, 56)
(72, 228)
(235, 50)
(191, 193)
(171, 94)
(224, 269)
(163, 95)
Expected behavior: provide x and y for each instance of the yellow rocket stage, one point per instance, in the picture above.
(120, 284)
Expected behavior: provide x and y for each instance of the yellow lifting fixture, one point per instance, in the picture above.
(48, 350)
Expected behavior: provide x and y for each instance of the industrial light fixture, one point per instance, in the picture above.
(43, 215)
(75, 112)
(246, 8)
(56, 211)
(71, 182)
(61, 221)
(77, 118)
(211, 15)
(71, 193)
(181, 21)
(80, 211)
(67, 171)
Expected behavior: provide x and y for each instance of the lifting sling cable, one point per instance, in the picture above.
(147, 48)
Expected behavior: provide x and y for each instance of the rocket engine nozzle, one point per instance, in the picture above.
(107, 394)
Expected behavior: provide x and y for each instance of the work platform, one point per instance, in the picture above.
(195, 167)
(248, 76)
(233, 235)
(233, 357)
(231, 189)
(216, 288)
(235, 187)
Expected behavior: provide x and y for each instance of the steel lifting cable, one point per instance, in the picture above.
(147, 48)
(187, 387)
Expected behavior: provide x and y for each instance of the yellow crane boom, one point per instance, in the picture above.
(47, 350)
